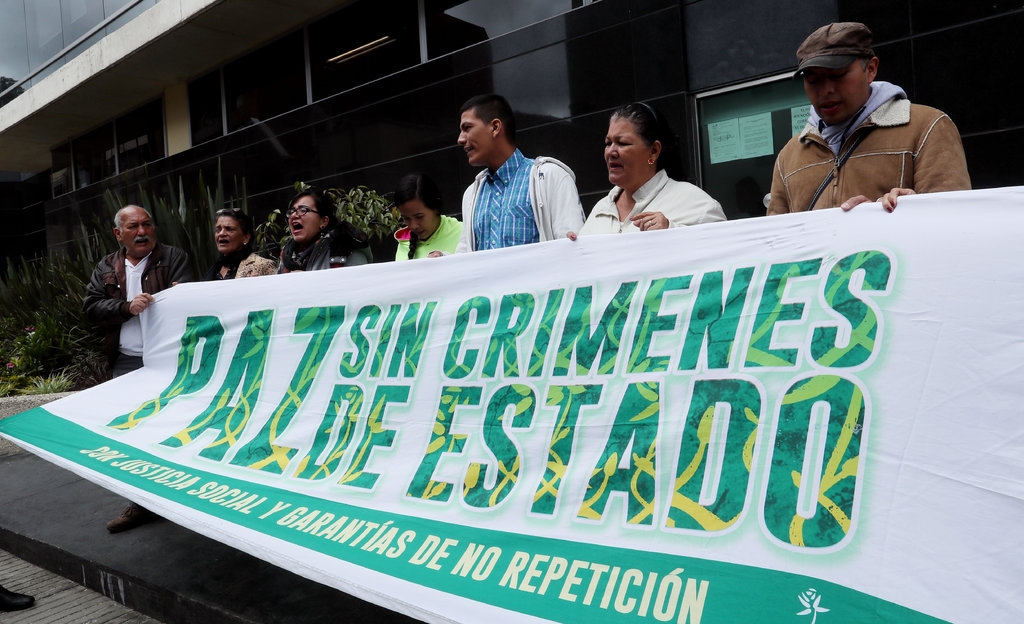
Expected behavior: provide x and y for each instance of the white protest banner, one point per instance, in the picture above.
(809, 418)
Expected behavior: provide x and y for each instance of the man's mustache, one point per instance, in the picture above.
(141, 239)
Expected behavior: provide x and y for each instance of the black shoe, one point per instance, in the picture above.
(10, 601)
(132, 516)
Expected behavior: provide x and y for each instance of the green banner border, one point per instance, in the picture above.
(648, 585)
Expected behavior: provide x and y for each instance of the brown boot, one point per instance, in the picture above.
(132, 516)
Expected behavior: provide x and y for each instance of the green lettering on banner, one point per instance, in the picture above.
(810, 502)
(374, 435)
(244, 378)
(261, 453)
(578, 339)
(454, 368)
(730, 408)
(523, 402)
(546, 327)
(640, 360)
(771, 311)
(202, 335)
(350, 396)
(632, 441)
(876, 269)
(514, 316)
(377, 364)
(353, 362)
(569, 400)
(442, 441)
(412, 336)
(715, 319)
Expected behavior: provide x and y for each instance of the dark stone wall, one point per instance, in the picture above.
(564, 75)
(955, 56)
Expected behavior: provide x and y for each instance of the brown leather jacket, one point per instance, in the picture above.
(105, 297)
(906, 146)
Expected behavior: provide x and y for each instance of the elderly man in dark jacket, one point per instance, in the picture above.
(121, 288)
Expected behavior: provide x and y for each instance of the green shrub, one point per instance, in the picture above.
(42, 330)
(53, 384)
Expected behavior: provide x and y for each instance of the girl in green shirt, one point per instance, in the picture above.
(427, 232)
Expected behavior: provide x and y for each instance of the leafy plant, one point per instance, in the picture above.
(269, 235)
(366, 209)
(8, 387)
(42, 329)
(53, 384)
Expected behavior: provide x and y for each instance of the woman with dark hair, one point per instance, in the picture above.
(427, 232)
(232, 232)
(319, 240)
(638, 149)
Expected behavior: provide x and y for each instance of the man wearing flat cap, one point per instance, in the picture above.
(864, 140)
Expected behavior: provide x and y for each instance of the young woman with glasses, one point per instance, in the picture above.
(319, 240)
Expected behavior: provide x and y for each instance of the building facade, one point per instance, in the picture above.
(104, 95)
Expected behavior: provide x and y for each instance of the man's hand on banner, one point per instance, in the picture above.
(888, 200)
(140, 303)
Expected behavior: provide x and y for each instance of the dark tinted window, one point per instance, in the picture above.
(94, 156)
(60, 173)
(455, 24)
(140, 136)
(362, 42)
(204, 108)
(266, 83)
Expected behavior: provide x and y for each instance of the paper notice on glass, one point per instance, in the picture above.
(756, 136)
(724, 140)
(798, 117)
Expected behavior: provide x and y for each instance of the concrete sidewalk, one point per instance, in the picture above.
(59, 599)
(56, 520)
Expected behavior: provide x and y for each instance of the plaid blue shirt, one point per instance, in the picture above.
(504, 215)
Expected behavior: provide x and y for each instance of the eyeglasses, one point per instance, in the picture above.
(300, 210)
(230, 212)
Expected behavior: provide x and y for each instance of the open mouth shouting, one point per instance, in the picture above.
(305, 223)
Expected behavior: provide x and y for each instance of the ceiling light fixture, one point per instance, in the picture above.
(363, 49)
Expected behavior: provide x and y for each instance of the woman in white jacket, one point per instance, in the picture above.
(644, 197)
